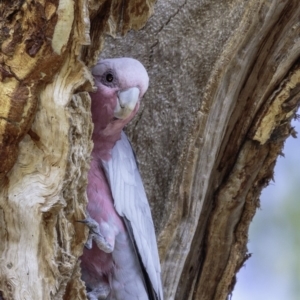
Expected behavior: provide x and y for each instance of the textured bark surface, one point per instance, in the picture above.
(225, 81)
(224, 88)
(45, 136)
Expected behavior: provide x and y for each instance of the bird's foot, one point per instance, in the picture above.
(96, 236)
(99, 293)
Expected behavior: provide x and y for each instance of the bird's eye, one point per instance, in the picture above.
(109, 77)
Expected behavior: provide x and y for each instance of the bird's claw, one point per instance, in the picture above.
(96, 236)
(101, 292)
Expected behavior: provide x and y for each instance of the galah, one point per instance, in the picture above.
(120, 260)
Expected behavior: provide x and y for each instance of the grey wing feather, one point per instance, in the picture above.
(131, 202)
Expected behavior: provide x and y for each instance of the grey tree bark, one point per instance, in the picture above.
(224, 86)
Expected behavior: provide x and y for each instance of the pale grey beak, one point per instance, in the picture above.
(126, 103)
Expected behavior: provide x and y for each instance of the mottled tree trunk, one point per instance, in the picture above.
(225, 78)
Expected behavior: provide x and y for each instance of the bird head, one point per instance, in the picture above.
(121, 83)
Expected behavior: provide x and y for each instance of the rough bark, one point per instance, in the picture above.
(45, 137)
(224, 87)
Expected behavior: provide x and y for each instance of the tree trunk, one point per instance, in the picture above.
(224, 86)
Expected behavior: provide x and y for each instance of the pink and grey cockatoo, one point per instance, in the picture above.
(121, 259)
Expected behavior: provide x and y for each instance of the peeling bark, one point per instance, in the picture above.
(224, 87)
(45, 136)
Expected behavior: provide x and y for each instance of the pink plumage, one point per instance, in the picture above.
(122, 262)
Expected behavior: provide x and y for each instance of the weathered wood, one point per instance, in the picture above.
(211, 128)
(45, 138)
(224, 85)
